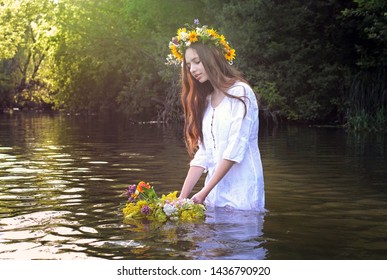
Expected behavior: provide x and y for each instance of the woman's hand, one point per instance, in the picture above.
(199, 197)
(192, 178)
(222, 169)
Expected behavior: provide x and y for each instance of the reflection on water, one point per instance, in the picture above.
(231, 234)
(61, 180)
(225, 234)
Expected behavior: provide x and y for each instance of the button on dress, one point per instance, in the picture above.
(230, 134)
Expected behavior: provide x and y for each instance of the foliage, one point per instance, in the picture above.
(367, 101)
(273, 104)
(366, 94)
(368, 19)
(307, 60)
(29, 35)
(290, 44)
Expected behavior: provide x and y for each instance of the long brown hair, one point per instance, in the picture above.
(221, 75)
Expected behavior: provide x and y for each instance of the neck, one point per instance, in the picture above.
(217, 91)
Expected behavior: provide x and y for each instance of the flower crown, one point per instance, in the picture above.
(193, 34)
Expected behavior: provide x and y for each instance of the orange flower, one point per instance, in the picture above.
(142, 185)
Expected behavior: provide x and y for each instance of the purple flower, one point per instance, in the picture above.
(131, 190)
(196, 21)
(145, 210)
(131, 193)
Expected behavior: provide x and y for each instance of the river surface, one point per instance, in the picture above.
(62, 179)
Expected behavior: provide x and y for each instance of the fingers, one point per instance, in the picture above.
(197, 200)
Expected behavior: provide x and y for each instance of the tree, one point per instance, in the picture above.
(309, 61)
(293, 46)
(29, 37)
(366, 95)
(111, 55)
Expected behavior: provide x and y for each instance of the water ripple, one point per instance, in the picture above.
(61, 180)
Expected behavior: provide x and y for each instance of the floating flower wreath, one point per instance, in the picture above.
(144, 203)
(193, 34)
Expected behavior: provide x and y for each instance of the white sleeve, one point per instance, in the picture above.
(241, 124)
(200, 158)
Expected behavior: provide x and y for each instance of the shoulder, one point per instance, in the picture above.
(240, 89)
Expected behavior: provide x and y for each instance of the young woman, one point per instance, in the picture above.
(221, 122)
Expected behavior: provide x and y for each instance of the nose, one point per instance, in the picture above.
(192, 68)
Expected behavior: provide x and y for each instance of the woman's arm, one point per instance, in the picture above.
(222, 169)
(193, 176)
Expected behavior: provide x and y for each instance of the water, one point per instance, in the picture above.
(61, 180)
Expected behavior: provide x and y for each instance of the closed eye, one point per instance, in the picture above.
(195, 61)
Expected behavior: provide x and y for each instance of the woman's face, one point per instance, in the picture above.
(195, 66)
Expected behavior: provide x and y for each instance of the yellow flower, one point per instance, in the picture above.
(141, 203)
(175, 52)
(225, 45)
(182, 34)
(230, 55)
(191, 216)
(153, 208)
(186, 216)
(181, 30)
(213, 33)
(186, 36)
(131, 211)
(193, 36)
(222, 40)
(130, 207)
(170, 197)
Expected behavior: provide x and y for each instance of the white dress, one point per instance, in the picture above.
(229, 134)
